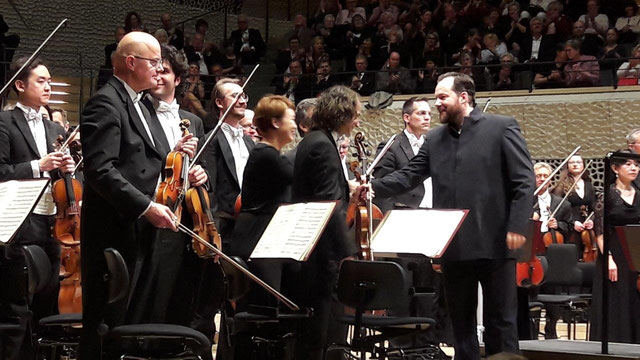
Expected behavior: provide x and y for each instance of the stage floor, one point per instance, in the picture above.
(576, 350)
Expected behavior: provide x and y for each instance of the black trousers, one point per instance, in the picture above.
(498, 280)
(13, 297)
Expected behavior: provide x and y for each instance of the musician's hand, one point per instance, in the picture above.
(67, 165)
(588, 224)
(578, 226)
(535, 216)
(515, 240)
(613, 270)
(51, 161)
(161, 216)
(188, 144)
(552, 223)
(197, 176)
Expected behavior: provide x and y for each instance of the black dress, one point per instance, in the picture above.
(624, 298)
(266, 185)
(579, 207)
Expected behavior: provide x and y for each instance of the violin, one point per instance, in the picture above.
(172, 190)
(588, 237)
(67, 193)
(199, 207)
(531, 273)
(552, 236)
(362, 212)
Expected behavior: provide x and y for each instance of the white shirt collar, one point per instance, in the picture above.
(26, 110)
(132, 93)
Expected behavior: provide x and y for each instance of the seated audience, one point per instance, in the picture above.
(393, 78)
(176, 36)
(196, 52)
(247, 43)
(493, 49)
(345, 16)
(288, 82)
(536, 46)
(162, 36)
(595, 23)
(631, 68)
(591, 43)
(504, 79)
(315, 53)
(551, 76)
(385, 6)
(133, 22)
(311, 85)
(427, 78)
(556, 22)
(515, 24)
(364, 83)
(300, 29)
(581, 70)
(612, 52)
(629, 24)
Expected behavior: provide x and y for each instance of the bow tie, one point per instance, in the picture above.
(172, 108)
(137, 98)
(33, 115)
(237, 133)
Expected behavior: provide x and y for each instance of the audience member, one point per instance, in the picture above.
(536, 46)
(473, 45)
(230, 63)
(176, 36)
(427, 78)
(311, 85)
(111, 48)
(197, 53)
(504, 79)
(289, 54)
(289, 81)
(591, 43)
(247, 43)
(300, 29)
(333, 38)
(364, 83)
(201, 27)
(595, 23)
(629, 24)
(315, 53)
(162, 36)
(325, 7)
(345, 16)
(551, 76)
(516, 24)
(452, 33)
(582, 70)
(133, 22)
(631, 68)
(474, 12)
(556, 22)
(430, 51)
(612, 52)
(59, 115)
(491, 23)
(493, 49)
(385, 6)
(394, 78)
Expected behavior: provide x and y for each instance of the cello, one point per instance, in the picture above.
(67, 193)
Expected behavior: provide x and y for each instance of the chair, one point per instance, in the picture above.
(378, 285)
(55, 331)
(148, 341)
(270, 329)
(564, 274)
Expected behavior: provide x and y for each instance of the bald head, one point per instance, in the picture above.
(137, 60)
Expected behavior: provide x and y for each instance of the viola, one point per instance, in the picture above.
(199, 207)
(67, 193)
(588, 237)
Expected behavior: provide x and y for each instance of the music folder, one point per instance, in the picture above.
(18, 198)
(629, 236)
(294, 231)
(398, 234)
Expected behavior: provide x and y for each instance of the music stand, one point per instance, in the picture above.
(629, 236)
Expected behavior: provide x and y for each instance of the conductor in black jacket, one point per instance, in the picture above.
(123, 157)
(318, 176)
(478, 162)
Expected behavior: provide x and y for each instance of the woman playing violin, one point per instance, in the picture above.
(582, 198)
(624, 297)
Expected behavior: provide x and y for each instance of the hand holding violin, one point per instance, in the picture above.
(515, 240)
(197, 176)
(552, 223)
(56, 160)
(188, 144)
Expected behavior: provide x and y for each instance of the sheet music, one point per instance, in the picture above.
(17, 200)
(398, 233)
(294, 230)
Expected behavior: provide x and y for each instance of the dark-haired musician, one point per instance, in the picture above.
(26, 152)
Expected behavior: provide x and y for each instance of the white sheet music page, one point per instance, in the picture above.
(17, 200)
(421, 231)
(294, 230)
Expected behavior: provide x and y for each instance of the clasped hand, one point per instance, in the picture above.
(57, 160)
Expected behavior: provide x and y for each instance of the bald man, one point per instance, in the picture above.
(123, 155)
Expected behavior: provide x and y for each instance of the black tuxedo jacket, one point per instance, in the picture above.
(485, 169)
(368, 82)
(565, 223)
(18, 147)
(222, 173)
(255, 40)
(122, 168)
(546, 52)
(396, 158)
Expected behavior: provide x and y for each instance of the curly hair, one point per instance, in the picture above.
(336, 106)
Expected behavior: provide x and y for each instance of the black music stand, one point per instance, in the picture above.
(629, 236)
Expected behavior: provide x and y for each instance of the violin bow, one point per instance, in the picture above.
(555, 171)
(288, 303)
(486, 105)
(553, 214)
(215, 130)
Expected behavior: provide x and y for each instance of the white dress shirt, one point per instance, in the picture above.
(169, 118)
(535, 47)
(135, 97)
(234, 136)
(416, 144)
(46, 205)
(544, 202)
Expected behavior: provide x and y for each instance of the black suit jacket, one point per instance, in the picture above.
(18, 147)
(486, 169)
(563, 216)
(546, 52)
(396, 158)
(222, 173)
(122, 168)
(368, 82)
(255, 41)
(318, 176)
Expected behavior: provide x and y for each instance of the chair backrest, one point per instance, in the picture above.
(38, 268)
(118, 280)
(563, 265)
(237, 284)
(372, 285)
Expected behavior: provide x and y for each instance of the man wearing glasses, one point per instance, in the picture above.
(226, 156)
(123, 158)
